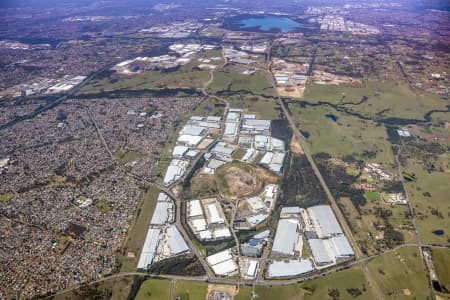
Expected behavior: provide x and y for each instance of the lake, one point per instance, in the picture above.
(268, 23)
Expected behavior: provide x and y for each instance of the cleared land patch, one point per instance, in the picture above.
(238, 180)
(399, 271)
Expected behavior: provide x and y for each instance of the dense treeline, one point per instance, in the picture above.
(300, 185)
(185, 265)
(339, 181)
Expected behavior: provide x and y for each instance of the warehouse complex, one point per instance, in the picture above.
(206, 220)
(320, 228)
(163, 238)
(241, 137)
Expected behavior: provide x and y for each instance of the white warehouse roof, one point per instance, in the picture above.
(225, 267)
(179, 151)
(286, 237)
(267, 158)
(219, 257)
(161, 213)
(149, 248)
(251, 271)
(172, 174)
(199, 224)
(291, 210)
(321, 251)
(230, 129)
(190, 140)
(341, 247)
(214, 214)
(195, 208)
(192, 130)
(162, 197)
(175, 241)
(289, 268)
(222, 233)
(324, 221)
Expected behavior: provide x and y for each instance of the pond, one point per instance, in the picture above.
(331, 117)
(268, 23)
(438, 232)
(305, 133)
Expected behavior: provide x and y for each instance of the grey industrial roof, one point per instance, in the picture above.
(341, 246)
(290, 210)
(161, 213)
(320, 252)
(223, 148)
(162, 197)
(172, 173)
(257, 123)
(262, 235)
(277, 144)
(175, 241)
(289, 268)
(215, 163)
(324, 220)
(192, 130)
(179, 150)
(266, 159)
(213, 119)
(230, 129)
(286, 237)
(149, 248)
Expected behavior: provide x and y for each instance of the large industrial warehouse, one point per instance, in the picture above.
(149, 248)
(324, 221)
(289, 268)
(286, 238)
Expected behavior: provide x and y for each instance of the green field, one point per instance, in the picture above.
(186, 76)
(6, 197)
(349, 135)
(124, 157)
(401, 273)
(441, 260)
(256, 83)
(372, 196)
(389, 99)
(348, 283)
(138, 229)
(191, 290)
(154, 289)
(288, 292)
(261, 107)
(431, 211)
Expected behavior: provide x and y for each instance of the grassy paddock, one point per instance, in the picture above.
(441, 260)
(432, 211)
(389, 99)
(401, 273)
(154, 289)
(347, 136)
(191, 290)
